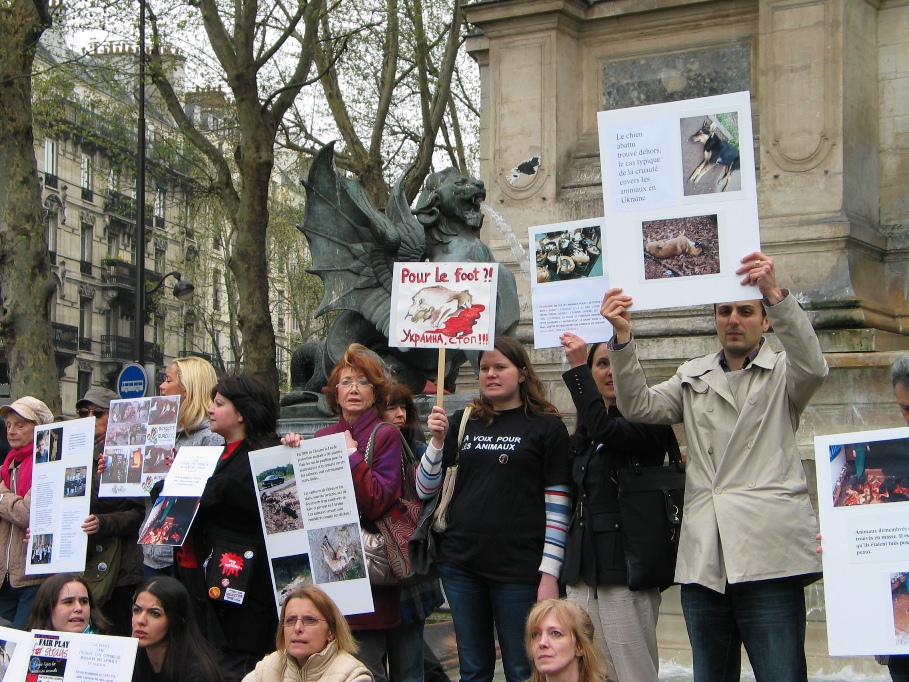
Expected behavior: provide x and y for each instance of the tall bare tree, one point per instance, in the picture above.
(245, 36)
(26, 286)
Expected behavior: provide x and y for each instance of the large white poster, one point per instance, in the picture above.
(311, 523)
(48, 656)
(443, 305)
(569, 280)
(680, 200)
(140, 441)
(61, 495)
(863, 499)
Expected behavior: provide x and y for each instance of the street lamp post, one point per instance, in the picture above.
(139, 311)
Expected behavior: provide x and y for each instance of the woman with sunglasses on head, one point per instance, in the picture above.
(65, 603)
(171, 647)
(238, 621)
(192, 379)
(355, 387)
(560, 643)
(594, 570)
(313, 643)
(112, 526)
(502, 550)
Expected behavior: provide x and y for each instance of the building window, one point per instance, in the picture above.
(188, 338)
(216, 290)
(50, 230)
(87, 178)
(85, 324)
(84, 382)
(217, 241)
(88, 238)
(50, 157)
(280, 309)
(159, 260)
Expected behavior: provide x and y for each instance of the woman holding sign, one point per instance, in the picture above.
(356, 385)
(223, 562)
(594, 570)
(502, 550)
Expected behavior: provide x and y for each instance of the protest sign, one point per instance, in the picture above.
(568, 282)
(680, 200)
(60, 496)
(73, 657)
(311, 523)
(443, 305)
(140, 438)
(863, 500)
(15, 648)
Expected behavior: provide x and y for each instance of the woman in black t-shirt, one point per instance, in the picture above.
(503, 548)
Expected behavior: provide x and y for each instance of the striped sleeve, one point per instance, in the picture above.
(558, 513)
(429, 473)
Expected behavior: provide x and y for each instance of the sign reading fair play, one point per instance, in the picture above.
(443, 305)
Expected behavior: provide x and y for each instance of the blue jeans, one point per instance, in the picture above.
(16, 603)
(767, 616)
(477, 604)
(405, 652)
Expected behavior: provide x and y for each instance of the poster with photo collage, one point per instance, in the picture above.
(140, 442)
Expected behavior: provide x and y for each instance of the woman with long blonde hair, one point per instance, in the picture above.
(560, 644)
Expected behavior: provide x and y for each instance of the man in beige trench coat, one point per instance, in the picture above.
(747, 545)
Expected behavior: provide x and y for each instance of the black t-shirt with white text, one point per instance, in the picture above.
(497, 517)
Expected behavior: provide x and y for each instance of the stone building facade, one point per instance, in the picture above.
(829, 81)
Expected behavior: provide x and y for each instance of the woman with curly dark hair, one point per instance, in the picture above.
(502, 550)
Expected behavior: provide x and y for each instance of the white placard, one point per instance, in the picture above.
(60, 497)
(676, 226)
(863, 500)
(443, 305)
(71, 657)
(174, 511)
(15, 649)
(312, 527)
(569, 278)
(140, 440)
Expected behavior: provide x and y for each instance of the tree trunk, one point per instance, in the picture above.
(26, 286)
(247, 258)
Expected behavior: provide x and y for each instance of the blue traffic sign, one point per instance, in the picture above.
(132, 382)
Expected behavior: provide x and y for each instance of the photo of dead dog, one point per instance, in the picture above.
(335, 553)
(710, 154)
(681, 247)
(280, 500)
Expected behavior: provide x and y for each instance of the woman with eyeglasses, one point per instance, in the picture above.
(192, 379)
(313, 643)
(112, 526)
(356, 385)
(171, 647)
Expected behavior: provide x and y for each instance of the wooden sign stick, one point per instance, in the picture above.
(440, 379)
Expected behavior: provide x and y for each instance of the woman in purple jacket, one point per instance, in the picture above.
(357, 383)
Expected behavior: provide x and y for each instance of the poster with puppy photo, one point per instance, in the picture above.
(680, 200)
(569, 276)
(443, 305)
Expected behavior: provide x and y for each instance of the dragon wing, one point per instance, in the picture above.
(353, 245)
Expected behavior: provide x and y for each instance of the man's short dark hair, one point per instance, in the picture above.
(899, 372)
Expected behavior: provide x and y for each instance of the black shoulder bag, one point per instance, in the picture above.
(650, 503)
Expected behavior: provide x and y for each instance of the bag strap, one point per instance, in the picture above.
(407, 456)
(675, 457)
(461, 428)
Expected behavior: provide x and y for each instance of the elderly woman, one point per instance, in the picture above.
(356, 385)
(18, 591)
(314, 643)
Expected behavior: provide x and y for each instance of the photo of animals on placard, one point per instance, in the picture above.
(565, 255)
(280, 500)
(899, 594)
(336, 554)
(291, 573)
(870, 473)
(681, 247)
(710, 153)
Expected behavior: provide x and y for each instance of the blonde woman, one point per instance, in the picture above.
(560, 644)
(313, 643)
(192, 379)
